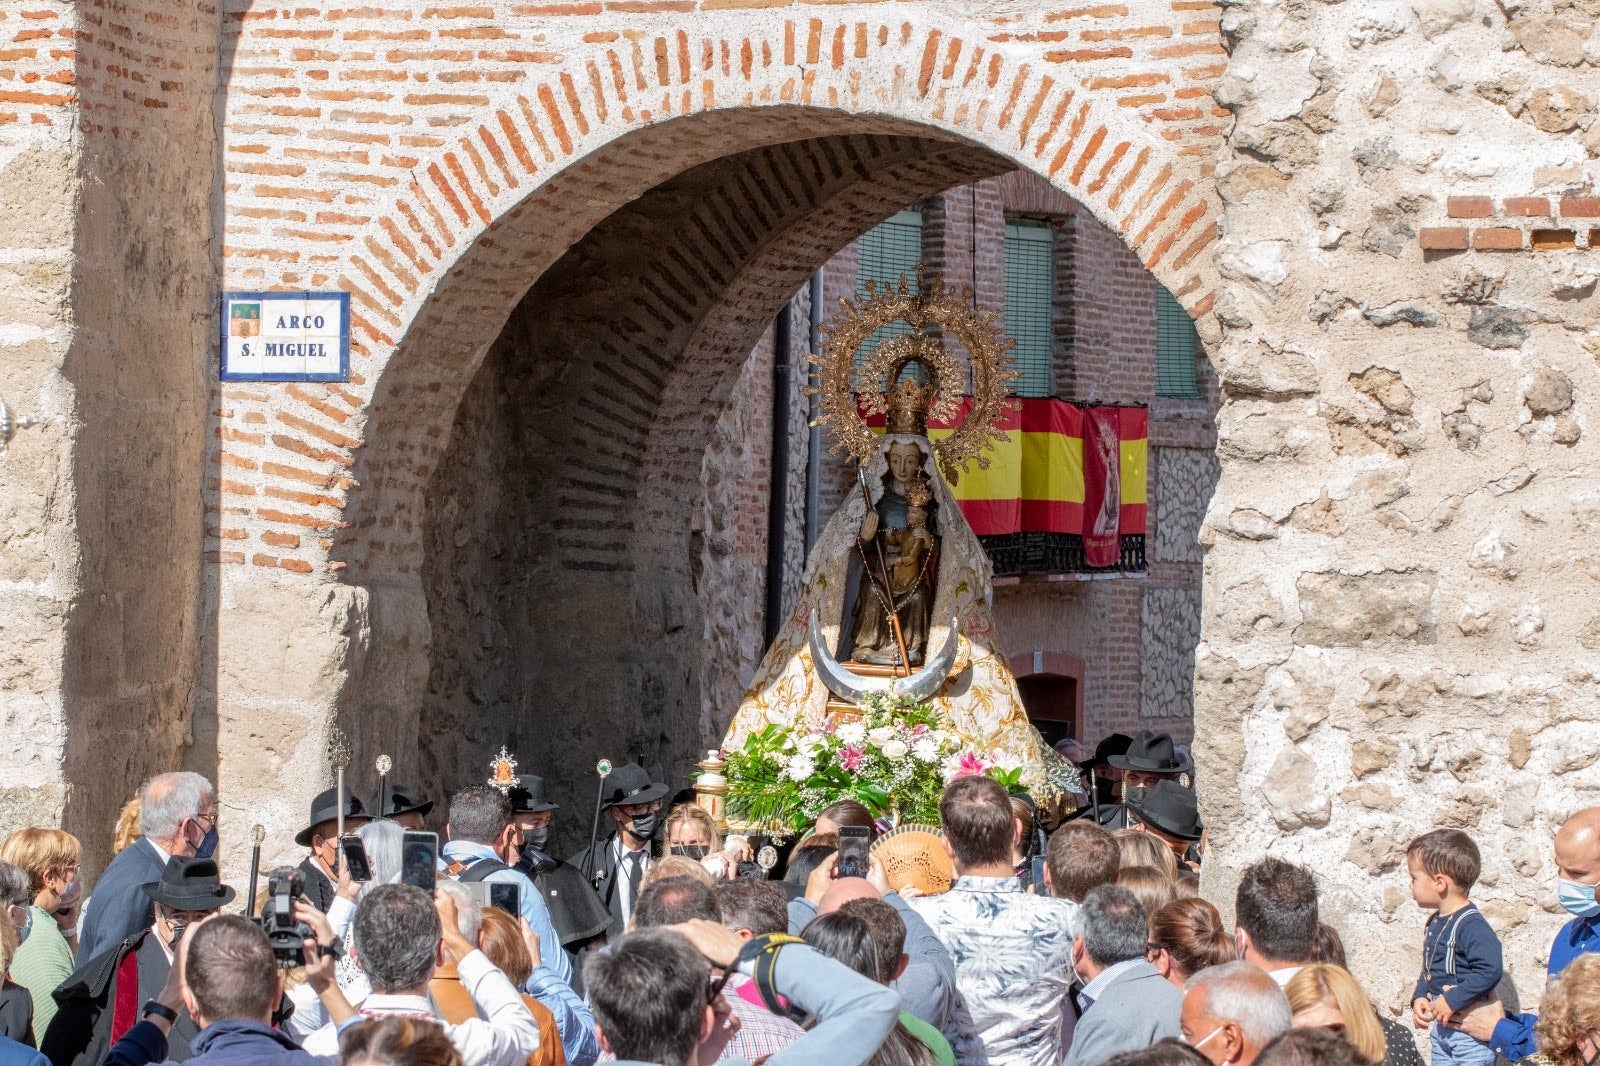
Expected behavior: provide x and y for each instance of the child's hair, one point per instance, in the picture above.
(1449, 852)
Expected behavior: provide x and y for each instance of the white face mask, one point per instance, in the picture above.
(1198, 1043)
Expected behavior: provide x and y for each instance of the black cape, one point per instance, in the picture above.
(577, 913)
(80, 1033)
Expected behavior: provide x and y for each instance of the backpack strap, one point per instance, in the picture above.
(476, 870)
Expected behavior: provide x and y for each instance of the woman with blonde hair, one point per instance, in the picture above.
(692, 833)
(127, 829)
(1568, 1029)
(50, 859)
(1187, 936)
(1138, 848)
(1325, 996)
(1150, 886)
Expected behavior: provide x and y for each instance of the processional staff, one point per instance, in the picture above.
(339, 755)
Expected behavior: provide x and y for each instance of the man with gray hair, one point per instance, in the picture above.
(1231, 1012)
(1125, 1003)
(177, 816)
(402, 937)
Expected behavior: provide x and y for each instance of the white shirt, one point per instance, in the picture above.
(622, 862)
(1285, 975)
(505, 1034)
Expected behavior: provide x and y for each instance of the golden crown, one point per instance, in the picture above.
(930, 311)
(908, 404)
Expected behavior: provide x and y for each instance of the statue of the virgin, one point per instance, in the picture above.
(897, 578)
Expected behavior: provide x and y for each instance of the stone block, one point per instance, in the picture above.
(1355, 610)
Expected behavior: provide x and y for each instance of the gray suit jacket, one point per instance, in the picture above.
(1135, 1010)
(118, 909)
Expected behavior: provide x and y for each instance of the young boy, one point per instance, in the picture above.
(1460, 954)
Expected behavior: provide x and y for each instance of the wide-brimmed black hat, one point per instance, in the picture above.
(528, 798)
(1152, 753)
(189, 884)
(325, 808)
(396, 800)
(630, 784)
(1171, 809)
(1115, 744)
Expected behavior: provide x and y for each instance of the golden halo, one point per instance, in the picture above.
(930, 306)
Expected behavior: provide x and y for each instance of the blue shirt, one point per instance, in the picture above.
(574, 1020)
(1461, 959)
(1513, 1034)
(533, 908)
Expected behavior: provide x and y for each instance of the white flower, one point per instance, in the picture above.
(808, 744)
(800, 768)
(1006, 760)
(895, 749)
(851, 733)
(926, 749)
(881, 736)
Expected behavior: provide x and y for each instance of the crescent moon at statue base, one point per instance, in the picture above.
(920, 686)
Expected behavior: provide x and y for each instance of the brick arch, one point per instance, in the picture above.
(437, 258)
(586, 494)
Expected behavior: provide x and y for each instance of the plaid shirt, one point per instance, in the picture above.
(760, 1031)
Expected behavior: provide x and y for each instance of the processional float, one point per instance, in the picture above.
(887, 679)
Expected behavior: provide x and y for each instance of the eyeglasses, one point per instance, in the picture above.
(632, 809)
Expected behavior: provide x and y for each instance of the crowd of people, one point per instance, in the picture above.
(666, 942)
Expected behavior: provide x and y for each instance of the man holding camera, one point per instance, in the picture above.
(101, 1000)
(321, 835)
(230, 980)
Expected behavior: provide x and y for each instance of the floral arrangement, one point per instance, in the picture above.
(896, 760)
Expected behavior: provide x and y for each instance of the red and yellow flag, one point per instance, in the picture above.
(1041, 479)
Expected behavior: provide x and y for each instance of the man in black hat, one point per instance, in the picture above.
(402, 804)
(1148, 759)
(575, 910)
(92, 1012)
(1171, 813)
(321, 835)
(616, 865)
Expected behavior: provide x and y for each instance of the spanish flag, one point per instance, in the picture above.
(1066, 492)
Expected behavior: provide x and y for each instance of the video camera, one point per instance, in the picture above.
(286, 934)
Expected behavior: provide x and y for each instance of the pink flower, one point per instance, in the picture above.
(918, 729)
(970, 765)
(851, 758)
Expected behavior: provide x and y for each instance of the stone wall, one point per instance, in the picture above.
(107, 135)
(1400, 568)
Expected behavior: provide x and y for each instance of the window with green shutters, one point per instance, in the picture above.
(1030, 302)
(1177, 347)
(883, 254)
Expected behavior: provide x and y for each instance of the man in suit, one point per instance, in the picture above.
(1125, 1004)
(321, 835)
(177, 817)
(575, 910)
(96, 1007)
(616, 865)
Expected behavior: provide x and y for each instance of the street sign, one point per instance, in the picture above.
(285, 336)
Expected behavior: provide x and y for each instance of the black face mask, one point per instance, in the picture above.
(535, 839)
(690, 851)
(1134, 794)
(177, 936)
(643, 826)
